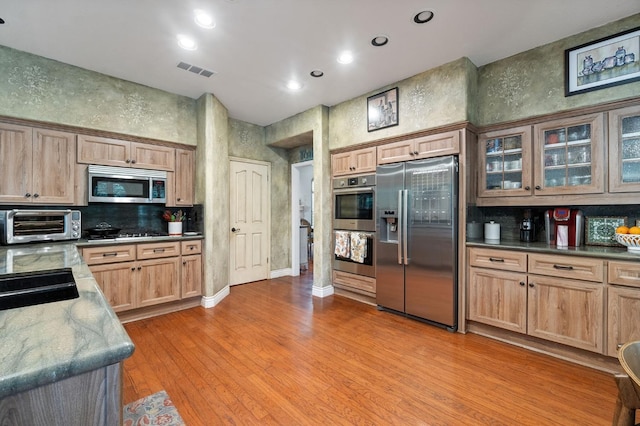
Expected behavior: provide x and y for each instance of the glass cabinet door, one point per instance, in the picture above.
(505, 158)
(624, 150)
(569, 156)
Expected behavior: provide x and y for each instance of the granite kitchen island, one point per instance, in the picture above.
(60, 362)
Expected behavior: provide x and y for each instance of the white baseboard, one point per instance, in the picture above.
(322, 291)
(281, 273)
(211, 301)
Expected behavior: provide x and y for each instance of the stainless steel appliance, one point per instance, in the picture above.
(354, 203)
(416, 260)
(564, 226)
(126, 185)
(27, 226)
(361, 264)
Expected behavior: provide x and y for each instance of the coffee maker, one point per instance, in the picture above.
(564, 227)
(527, 228)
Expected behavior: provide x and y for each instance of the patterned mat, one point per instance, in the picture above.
(156, 409)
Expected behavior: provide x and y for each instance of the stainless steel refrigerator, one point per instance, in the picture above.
(416, 239)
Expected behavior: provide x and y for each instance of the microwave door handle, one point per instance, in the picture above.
(405, 220)
(399, 227)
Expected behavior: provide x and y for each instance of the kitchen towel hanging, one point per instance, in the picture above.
(358, 247)
(343, 240)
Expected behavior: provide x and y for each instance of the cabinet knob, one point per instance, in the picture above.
(184, 262)
(27, 195)
(538, 187)
(522, 283)
(415, 152)
(133, 268)
(178, 199)
(527, 187)
(139, 268)
(127, 161)
(36, 195)
(133, 161)
(531, 285)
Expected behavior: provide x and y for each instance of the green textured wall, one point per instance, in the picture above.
(531, 83)
(248, 141)
(430, 99)
(37, 88)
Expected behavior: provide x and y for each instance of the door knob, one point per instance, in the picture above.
(235, 229)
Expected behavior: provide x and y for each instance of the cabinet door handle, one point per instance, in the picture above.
(564, 267)
(139, 268)
(28, 195)
(415, 153)
(133, 268)
(178, 199)
(36, 195)
(527, 187)
(538, 187)
(109, 254)
(133, 161)
(496, 259)
(158, 250)
(127, 161)
(531, 285)
(522, 283)
(184, 262)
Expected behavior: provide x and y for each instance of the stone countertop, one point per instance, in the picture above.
(46, 343)
(84, 242)
(603, 252)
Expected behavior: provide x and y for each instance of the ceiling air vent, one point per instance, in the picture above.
(194, 69)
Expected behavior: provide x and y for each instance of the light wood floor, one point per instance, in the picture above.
(270, 353)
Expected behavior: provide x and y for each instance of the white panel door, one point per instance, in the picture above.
(249, 237)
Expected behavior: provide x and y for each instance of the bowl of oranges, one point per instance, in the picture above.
(630, 237)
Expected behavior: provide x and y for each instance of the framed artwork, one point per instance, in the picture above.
(600, 231)
(382, 110)
(607, 62)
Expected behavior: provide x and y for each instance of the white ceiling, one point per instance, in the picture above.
(258, 45)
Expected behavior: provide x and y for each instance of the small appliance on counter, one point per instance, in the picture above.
(564, 227)
(30, 226)
(492, 232)
(527, 228)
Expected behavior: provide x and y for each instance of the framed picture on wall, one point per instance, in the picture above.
(603, 63)
(382, 110)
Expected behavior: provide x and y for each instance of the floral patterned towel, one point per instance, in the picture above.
(156, 409)
(358, 247)
(342, 244)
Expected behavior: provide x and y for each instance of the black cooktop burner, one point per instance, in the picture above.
(126, 235)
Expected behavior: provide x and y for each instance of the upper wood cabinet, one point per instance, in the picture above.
(569, 156)
(354, 162)
(184, 178)
(38, 165)
(115, 152)
(504, 163)
(624, 150)
(423, 147)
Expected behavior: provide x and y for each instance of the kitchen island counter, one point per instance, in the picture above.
(50, 342)
(84, 242)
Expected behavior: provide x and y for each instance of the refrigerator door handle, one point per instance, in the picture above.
(405, 217)
(400, 224)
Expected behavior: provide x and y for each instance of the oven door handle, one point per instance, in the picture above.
(358, 190)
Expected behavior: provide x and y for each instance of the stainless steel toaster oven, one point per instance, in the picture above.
(27, 226)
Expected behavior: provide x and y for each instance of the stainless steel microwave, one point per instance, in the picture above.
(126, 185)
(28, 226)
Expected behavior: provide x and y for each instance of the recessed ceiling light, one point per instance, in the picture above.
(423, 17)
(345, 57)
(316, 73)
(203, 19)
(186, 42)
(294, 85)
(380, 40)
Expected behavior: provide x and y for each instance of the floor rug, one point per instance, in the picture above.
(156, 409)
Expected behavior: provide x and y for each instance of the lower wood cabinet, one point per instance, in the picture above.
(623, 304)
(157, 274)
(535, 301)
(354, 282)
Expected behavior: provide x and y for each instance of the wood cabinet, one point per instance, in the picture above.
(623, 310)
(358, 161)
(115, 152)
(624, 150)
(140, 275)
(353, 282)
(38, 166)
(181, 183)
(423, 147)
(505, 163)
(556, 298)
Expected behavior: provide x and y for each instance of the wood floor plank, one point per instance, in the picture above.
(270, 353)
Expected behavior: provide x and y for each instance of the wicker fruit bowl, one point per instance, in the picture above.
(632, 241)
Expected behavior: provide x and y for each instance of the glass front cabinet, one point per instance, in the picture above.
(624, 150)
(505, 163)
(569, 156)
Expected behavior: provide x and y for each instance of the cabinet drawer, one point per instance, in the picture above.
(498, 259)
(578, 268)
(624, 273)
(158, 250)
(191, 247)
(359, 282)
(109, 254)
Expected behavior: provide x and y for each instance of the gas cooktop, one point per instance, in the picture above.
(126, 236)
